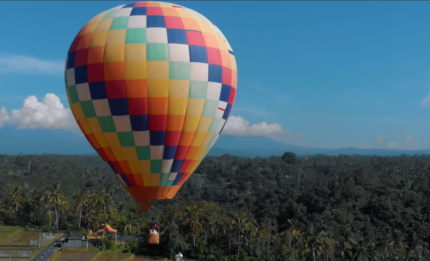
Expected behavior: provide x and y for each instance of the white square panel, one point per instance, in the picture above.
(70, 74)
(199, 71)
(83, 90)
(102, 108)
(166, 166)
(123, 12)
(172, 176)
(214, 91)
(122, 123)
(156, 35)
(137, 21)
(157, 152)
(179, 52)
(141, 138)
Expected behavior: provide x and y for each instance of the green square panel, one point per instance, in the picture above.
(214, 125)
(163, 180)
(143, 153)
(210, 108)
(88, 109)
(73, 94)
(156, 166)
(170, 182)
(135, 35)
(119, 23)
(179, 70)
(110, 14)
(126, 138)
(157, 52)
(198, 89)
(107, 124)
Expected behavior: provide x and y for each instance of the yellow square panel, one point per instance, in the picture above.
(204, 27)
(130, 153)
(145, 167)
(113, 140)
(207, 139)
(201, 153)
(77, 111)
(195, 107)
(104, 25)
(101, 140)
(91, 26)
(179, 88)
(99, 38)
(85, 127)
(204, 124)
(135, 167)
(147, 179)
(157, 88)
(198, 138)
(191, 123)
(155, 179)
(234, 80)
(184, 13)
(114, 53)
(119, 153)
(94, 125)
(210, 40)
(135, 52)
(233, 63)
(158, 70)
(116, 36)
(177, 106)
(135, 70)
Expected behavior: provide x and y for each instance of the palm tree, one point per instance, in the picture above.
(82, 201)
(53, 196)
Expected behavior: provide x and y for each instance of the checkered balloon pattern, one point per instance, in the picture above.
(151, 85)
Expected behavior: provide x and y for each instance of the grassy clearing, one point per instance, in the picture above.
(7, 233)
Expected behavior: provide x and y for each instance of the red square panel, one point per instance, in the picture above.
(81, 57)
(141, 4)
(185, 165)
(157, 122)
(96, 72)
(172, 138)
(137, 106)
(226, 76)
(154, 11)
(214, 56)
(115, 89)
(195, 38)
(181, 152)
(174, 22)
(232, 95)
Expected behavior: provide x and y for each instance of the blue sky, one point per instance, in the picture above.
(330, 74)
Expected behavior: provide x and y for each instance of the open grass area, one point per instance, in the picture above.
(8, 232)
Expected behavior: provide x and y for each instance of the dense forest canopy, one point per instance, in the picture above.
(232, 208)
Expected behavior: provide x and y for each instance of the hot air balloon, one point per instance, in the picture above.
(151, 85)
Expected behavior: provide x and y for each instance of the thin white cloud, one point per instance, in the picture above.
(379, 140)
(426, 101)
(238, 126)
(47, 114)
(409, 139)
(392, 145)
(4, 117)
(26, 64)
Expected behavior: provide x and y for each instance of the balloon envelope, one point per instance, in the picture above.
(151, 85)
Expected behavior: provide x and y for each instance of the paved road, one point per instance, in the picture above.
(47, 252)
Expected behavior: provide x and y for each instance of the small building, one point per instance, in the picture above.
(75, 240)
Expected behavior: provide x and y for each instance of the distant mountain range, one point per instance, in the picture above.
(266, 147)
(13, 141)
